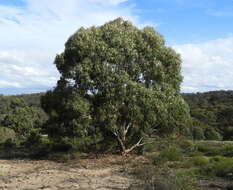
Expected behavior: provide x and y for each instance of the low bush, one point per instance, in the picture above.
(151, 147)
(218, 166)
(163, 178)
(33, 139)
(198, 133)
(60, 157)
(195, 153)
(215, 148)
(228, 151)
(186, 146)
(169, 154)
(62, 145)
(212, 134)
(207, 149)
(9, 144)
(197, 161)
(42, 149)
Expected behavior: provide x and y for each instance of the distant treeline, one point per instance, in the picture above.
(212, 112)
(30, 99)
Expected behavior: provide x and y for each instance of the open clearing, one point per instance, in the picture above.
(88, 174)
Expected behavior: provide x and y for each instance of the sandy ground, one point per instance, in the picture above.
(85, 174)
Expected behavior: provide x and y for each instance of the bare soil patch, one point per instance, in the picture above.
(104, 173)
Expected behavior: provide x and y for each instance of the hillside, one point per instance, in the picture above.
(213, 110)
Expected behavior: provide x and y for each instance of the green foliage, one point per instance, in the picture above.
(118, 83)
(212, 134)
(186, 145)
(60, 157)
(32, 100)
(208, 150)
(198, 161)
(218, 166)
(62, 145)
(163, 178)
(170, 154)
(150, 147)
(42, 148)
(6, 133)
(195, 153)
(215, 148)
(214, 110)
(198, 133)
(228, 151)
(33, 139)
(9, 144)
(19, 117)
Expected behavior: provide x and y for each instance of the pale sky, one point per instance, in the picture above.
(32, 32)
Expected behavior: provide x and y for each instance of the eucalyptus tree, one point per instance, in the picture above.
(119, 81)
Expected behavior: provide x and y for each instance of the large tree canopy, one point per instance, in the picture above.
(118, 80)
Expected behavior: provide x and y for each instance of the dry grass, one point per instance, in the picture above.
(107, 172)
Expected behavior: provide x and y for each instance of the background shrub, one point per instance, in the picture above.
(169, 154)
(199, 161)
(212, 134)
(9, 144)
(228, 151)
(198, 133)
(218, 166)
(6, 133)
(163, 178)
(186, 145)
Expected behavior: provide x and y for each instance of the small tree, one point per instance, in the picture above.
(118, 80)
(19, 117)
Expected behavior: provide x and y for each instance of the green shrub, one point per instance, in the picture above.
(42, 149)
(199, 161)
(195, 153)
(212, 134)
(9, 144)
(163, 178)
(62, 145)
(215, 148)
(151, 147)
(186, 145)
(33, 139)
(6, 133)
(208, 149)
(228, 151)
(217, 159)
(60, 157)
(219, 166)
(169, 154)
(198, 133)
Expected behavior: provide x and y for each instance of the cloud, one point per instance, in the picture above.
(207, 66)
(32, 34)
(109, 2)
(23, 69)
